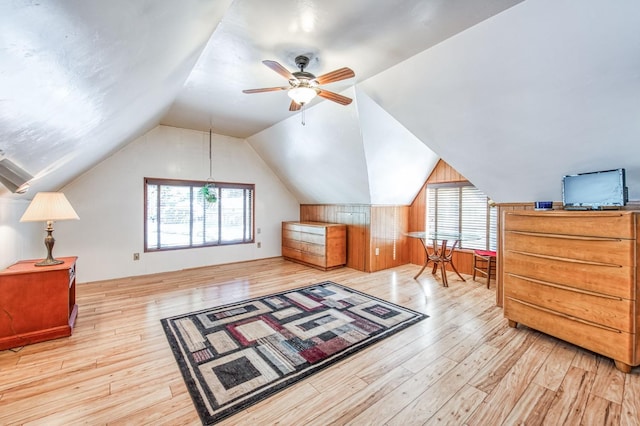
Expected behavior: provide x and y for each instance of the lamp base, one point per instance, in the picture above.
(49, 262)
(49, 241)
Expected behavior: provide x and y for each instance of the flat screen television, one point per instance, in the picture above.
(595, 190)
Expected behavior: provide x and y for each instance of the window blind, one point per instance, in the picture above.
(462, 208)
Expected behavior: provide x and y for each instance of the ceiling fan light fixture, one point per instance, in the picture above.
(302, 94)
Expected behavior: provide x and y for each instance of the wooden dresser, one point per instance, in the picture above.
(573, 275)
(37, 303)
(317, 244)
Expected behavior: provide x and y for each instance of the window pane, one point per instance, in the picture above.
(205, 219)
(152, 216)
(232, 207)
(448, 210)
(474, 218)
(175, 216)
(493, 228)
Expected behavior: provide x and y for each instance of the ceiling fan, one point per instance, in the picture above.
(303, 86)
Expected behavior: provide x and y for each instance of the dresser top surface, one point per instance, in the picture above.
(323, 224)
(28, 266)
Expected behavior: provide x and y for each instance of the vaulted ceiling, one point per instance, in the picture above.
(512, 93)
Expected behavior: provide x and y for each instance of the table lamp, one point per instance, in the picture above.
(49, 206)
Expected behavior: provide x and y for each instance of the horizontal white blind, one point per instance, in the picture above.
(462, 209)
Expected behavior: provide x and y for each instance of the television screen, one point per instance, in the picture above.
(595, 190)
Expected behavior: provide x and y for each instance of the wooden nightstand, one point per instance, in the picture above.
(37, 303)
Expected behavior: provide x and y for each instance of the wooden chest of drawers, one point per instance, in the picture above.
(321, 245)
(37, 303)
(573, 275)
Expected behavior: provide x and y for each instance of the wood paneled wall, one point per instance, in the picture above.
(368, 228)
(443, 172)
(389, 243)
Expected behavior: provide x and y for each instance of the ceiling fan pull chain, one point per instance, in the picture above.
(302, 113)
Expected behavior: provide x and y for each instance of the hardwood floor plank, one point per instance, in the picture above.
(459, 407)
(601, 411)
(630, 412)
(531, 407)
(570, 401)
(553, 371)
(609, 382)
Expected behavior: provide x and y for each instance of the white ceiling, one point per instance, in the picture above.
(491, 86)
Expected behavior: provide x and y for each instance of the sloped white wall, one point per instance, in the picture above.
(543, 89)
(109, 201)
(322, 161)
(398, 163)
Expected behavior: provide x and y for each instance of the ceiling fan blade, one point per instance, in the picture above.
(265, 89)
(294, 106)
(343, 100)
(279, 69)
(337, 75)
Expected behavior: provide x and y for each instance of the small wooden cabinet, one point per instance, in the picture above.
(574, 275)
(317, 244)
(37, 303)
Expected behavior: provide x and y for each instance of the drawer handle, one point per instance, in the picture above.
(569, 317)
(566, 259)
(564, 287)
(563, 214)
(568, 237)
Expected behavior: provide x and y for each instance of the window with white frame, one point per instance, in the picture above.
(461, 208)
(177, 215)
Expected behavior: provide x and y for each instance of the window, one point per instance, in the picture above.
(462, 208)
(177, 216)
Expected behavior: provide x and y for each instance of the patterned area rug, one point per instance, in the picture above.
(236, 355)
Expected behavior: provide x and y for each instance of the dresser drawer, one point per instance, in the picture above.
(608, 280)
(309, 227)
(608, 311)
(312, 238)
(314, 249)
(603, 340)
(314, 259)
(291, 253)
(619, 224)
(614, 252)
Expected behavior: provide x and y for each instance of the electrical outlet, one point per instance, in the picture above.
(259, 244)
(258, 230)
(377, 251)
(136, 256)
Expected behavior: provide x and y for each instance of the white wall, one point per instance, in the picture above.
(109, 201)
(19, 240)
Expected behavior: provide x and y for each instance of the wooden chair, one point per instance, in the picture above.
(484, 262)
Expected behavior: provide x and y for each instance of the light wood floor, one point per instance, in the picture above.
(463, 365)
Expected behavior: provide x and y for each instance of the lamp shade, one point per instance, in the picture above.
(49, 206)
(301, 95)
